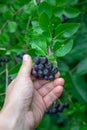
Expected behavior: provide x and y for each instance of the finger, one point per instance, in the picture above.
(25, 69)
(50, 86)
(53, 95)
(39, 83)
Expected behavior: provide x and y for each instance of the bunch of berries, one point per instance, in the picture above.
(43, 69)
(4, 60)
(58, 108)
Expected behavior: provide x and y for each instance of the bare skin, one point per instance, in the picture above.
(27, 100)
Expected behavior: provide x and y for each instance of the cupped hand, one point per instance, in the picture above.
(26, 100)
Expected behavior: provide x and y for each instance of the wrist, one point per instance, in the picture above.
(8, 118)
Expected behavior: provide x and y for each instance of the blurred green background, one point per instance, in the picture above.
(19, 24)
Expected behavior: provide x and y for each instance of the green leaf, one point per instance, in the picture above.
(80, 86)
(40, 47)
(12, 26)
(58, 12)
(71, 12)
(51, 2)
(66, 48)
(72, 2)
(4, 38)
(3, 8)
(44, 21)
(61, 2)
(82, 67)
(66, 30)
(44, 7)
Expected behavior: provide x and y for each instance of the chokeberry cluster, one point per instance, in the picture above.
(43, 69)
(58, 108)
(4, 60)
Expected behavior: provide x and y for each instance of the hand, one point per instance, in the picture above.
(27, 100)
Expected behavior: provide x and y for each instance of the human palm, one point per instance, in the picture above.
(29, 99)
(45, 92)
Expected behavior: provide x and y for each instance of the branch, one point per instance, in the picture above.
(2, 94)
(2, 72)
(6, 76)
(5, 24)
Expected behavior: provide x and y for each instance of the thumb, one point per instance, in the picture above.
(25, 69)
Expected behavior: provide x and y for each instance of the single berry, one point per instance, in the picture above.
(53, 110)
(36, 67)
(54, 70)
(51, 77)
(49, 65)
(34, 73)
(41, 66)
(44, 60)
(40, 72)
(46, 72)
(37, 60)
(60, 108)
(46, 77)
(66, 105)
(6, 60)
(64, 19)
(40, 76)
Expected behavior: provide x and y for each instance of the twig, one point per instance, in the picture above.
(18, 11)
(5, 24)
(28, 23)
(2, 94)
(50, 51)
(2, 72)
(6, 75)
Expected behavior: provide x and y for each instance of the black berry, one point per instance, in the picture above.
(34, 73)
(66, 105)
(46, 72)
(49, 65)
(51, 77)
(44, 60)
(37, 60)
(64, 19)
(46, 77)
(60, 108)
(36, 67)
(41, 66)
(54, 70)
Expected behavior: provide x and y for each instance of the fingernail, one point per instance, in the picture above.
(25, 57)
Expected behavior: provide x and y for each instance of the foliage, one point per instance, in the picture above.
(37, 27)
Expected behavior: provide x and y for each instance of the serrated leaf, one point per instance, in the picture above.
(66, 30)
(82, 67)
(40, 47)
(44, 21)
(59, 43)
(44, 7)
(12, 26)
(71, 12)
(62, 51)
